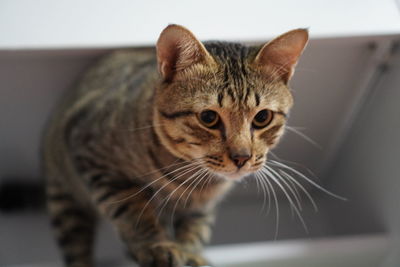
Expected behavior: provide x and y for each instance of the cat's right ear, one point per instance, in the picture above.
(279, 57)
(178, 49)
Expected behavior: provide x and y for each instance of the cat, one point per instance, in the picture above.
(153, 141)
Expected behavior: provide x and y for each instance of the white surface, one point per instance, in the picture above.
(94, 23)
(361, 251)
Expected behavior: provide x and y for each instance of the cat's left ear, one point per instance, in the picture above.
(279, 57)
(178, 49)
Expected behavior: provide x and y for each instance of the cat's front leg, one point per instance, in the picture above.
(160, 254)
(192, 232)
(131, 210)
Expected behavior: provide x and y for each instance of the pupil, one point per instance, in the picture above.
(208, 116)
(262, 116)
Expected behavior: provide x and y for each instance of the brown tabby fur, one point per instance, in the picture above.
(126, 144)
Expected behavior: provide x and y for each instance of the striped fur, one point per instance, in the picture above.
(126, 144)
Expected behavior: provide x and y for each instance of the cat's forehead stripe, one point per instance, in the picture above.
(257, 98)
(233, 58)
(220, 99)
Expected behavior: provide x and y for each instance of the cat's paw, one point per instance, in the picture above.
(161, 254)
(195, 260)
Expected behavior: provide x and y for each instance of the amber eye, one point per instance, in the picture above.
(262, 119)
(209, 118)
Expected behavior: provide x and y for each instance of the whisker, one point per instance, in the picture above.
(300, 128)
(290, 178)
(257, 183)
(163, 168)
(265, 178)
(209, 180)
(292, 184)
(152, 182)
(194, 177)
(304, 136)
(279, 177)
(142, 128)
(287, 196)
(275, 74)
(169, 196)
(210, 177)
(279, 164)
(259, 189)
(266, 193)
(296, 164)
(206, 173)
(165, 185)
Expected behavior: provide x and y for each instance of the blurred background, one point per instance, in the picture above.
(345, 122)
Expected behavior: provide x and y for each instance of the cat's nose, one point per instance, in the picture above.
(239, 159)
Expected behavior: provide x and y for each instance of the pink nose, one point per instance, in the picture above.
(239, 159)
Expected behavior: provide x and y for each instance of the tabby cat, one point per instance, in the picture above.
(152, 141)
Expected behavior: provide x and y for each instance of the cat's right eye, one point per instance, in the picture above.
(209, 118)
(262, 119)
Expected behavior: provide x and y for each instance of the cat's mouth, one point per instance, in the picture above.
(232, 170)
(235, 174)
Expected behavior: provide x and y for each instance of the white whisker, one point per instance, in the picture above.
(207, 181)
(195, 176)
(257, 183)
(144, 127)
(279, 164)
(292, 184)
(275, 179)
(152, 182)
(265, 176)
(296, 164)
(279, 177)
(163, 168)
(200, 178)
(290, 178)
(165, 185)
(266, 192)
(305, 137)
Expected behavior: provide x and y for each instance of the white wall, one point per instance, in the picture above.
(102, 23)
(367, 169)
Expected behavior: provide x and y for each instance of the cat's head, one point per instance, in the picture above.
(224, 104)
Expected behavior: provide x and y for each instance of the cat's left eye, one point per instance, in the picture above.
(262, 119)
(209, 118)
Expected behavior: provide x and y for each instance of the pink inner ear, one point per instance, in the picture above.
(177, 49)
(281, 54)
(283, 59)
(167, 53)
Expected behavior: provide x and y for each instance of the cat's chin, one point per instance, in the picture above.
(235, 175)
